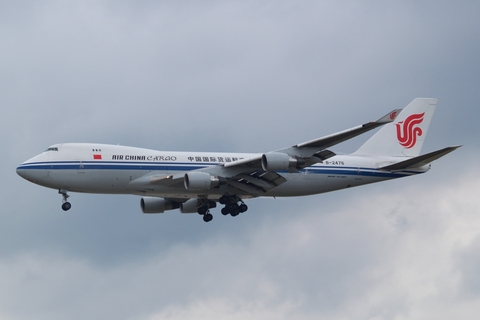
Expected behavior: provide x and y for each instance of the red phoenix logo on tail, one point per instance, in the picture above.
(407, 132)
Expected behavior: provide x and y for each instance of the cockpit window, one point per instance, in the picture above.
(52, 149)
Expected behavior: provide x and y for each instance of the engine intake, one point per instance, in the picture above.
(275, 161)
(200, 181)
(157, 205)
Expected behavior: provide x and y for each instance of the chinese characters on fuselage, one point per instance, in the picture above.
(173, 158)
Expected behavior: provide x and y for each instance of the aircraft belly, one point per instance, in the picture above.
(116, 181)
(91, 181)
(309, 184)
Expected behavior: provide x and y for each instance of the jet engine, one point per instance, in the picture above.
(200, 181)
(189, 206)
(157, 205)
(274, 161)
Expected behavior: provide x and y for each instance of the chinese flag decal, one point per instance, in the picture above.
(97, 156)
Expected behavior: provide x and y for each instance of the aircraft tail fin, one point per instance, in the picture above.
(405, 136)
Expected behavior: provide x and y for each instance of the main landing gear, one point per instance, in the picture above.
(65, 204)
(232, 205)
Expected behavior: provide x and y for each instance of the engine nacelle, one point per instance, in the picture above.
(192, 205)
(199, 181)
(274, 161)
(189, 206)
(157, 205)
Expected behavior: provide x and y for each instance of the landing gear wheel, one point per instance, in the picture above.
(207, 217)
(223, 199)
(66, 206)
(234, 212)
(234, 205)
(202, 210)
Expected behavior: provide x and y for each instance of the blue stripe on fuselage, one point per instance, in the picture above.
(168, 166)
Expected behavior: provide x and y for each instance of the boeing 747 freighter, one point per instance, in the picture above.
(195, 182)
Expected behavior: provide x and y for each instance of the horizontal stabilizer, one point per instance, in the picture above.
(419, 161)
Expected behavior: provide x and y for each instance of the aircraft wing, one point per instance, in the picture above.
(149, 181)
(341, 136)
(314, 151)
(259, 174)
(256, 176)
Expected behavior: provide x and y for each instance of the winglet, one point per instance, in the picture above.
(389, 117)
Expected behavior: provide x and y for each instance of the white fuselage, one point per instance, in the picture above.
(113, 169)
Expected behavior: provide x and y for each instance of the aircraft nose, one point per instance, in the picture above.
(21, 172)
(27, 173)
(31, 169)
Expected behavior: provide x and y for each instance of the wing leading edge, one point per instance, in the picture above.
(313, 151)
(255, 176)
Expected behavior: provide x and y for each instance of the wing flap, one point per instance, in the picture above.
(246, 188)
(257, 182)
(261, 183)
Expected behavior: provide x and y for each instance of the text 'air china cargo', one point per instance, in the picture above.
(195, 181)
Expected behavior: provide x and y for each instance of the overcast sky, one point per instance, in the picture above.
(244, 76)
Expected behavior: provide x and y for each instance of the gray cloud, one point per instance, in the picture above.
(238, 77)
(392, 257)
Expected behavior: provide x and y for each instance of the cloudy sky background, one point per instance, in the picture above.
(249, 77)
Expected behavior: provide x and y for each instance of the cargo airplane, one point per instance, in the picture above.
(195, 181)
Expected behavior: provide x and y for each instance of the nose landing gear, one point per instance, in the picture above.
(65, 204)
